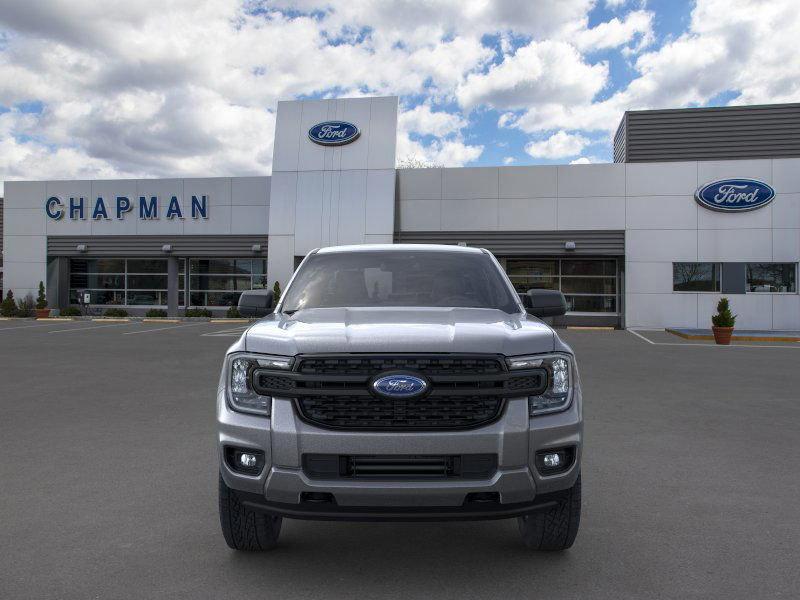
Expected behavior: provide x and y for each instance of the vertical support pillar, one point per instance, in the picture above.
(172, 286)
(61, 300)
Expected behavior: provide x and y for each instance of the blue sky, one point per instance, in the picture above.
(160, 88)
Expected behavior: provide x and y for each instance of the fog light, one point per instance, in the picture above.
(248, 461)
(244, 460)
(551, 461)
(555, 460)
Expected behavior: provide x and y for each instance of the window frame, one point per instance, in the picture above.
(559, 275)
(746, 284)
(704, 262)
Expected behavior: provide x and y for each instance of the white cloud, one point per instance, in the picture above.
(423, 120)
(188, 87)
(616, 32)
(746, 47)
(509, 160)
(539, 72)
(581, 161)
(447, 153)
(559, 145)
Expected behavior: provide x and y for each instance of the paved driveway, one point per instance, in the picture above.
(691, 481)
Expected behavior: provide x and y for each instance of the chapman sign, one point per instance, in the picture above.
(147, 208)
(333, 133)
(735, 195)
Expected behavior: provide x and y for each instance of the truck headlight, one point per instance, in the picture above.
(240, 367)
(559, 369)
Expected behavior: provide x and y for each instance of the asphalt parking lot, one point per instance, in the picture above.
(691, 479)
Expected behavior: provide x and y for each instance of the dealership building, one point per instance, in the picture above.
(699, 203)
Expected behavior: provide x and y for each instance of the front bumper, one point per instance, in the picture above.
(515, 488)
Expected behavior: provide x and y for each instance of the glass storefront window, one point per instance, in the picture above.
(695, 277)
(118, 281)
(772, 277)
(220, 281)
(589, 285)
(589, 267)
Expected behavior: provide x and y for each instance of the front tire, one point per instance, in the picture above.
(554, 529)
(243, 527)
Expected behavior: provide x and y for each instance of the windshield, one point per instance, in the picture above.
(394, 278)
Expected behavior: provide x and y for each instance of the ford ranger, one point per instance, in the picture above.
(400, 382)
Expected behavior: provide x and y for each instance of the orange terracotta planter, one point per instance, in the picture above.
(722, 335)
(42, 313)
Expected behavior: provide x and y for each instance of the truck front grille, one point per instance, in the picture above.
(431, 412)
(334, 391)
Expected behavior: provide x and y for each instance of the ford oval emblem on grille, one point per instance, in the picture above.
(399, 386)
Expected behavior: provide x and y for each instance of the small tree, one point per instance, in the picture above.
(724, 316)
(25, 306)
(8, 307)
(41, 299)
(276, 293)
(412, 161)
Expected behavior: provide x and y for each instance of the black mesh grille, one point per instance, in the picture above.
(265, 380)
(335, 390)
(432, 412)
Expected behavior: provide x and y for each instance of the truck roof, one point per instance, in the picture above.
(399, 247)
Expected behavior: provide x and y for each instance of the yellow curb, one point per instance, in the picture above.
(160, 320)
(112, 320)
(54, 318)
(736, 338)
(589, 328)
(230, 320)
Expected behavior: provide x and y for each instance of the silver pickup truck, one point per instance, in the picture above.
(400, 382)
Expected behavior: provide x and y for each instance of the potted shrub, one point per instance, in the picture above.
(723, 322)
(42, 312)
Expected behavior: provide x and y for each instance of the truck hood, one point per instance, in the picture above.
(334, 330)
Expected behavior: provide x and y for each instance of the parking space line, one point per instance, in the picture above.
(88, 328)
(235, 332)
(162, 328)
(28, 326)
(641, 337)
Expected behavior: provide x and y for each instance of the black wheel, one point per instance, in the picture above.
(555, 528)
(244, 528)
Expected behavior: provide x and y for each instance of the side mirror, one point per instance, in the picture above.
(526, 301)
(545, 303)
(255, 303)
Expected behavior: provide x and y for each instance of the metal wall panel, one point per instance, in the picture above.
(720, 133)
(150, 245)
(521, 243)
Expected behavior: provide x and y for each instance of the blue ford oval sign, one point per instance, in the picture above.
(333, 133)
(735, 195)
(399, 386)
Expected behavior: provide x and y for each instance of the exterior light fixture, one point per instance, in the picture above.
(569, 245)
(82, 248)
(166, 248)
(256, 248)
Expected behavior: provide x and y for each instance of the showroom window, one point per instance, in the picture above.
(696, 277)
(772, 277)
(589, 285)
(220, 281)
(122, 282)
